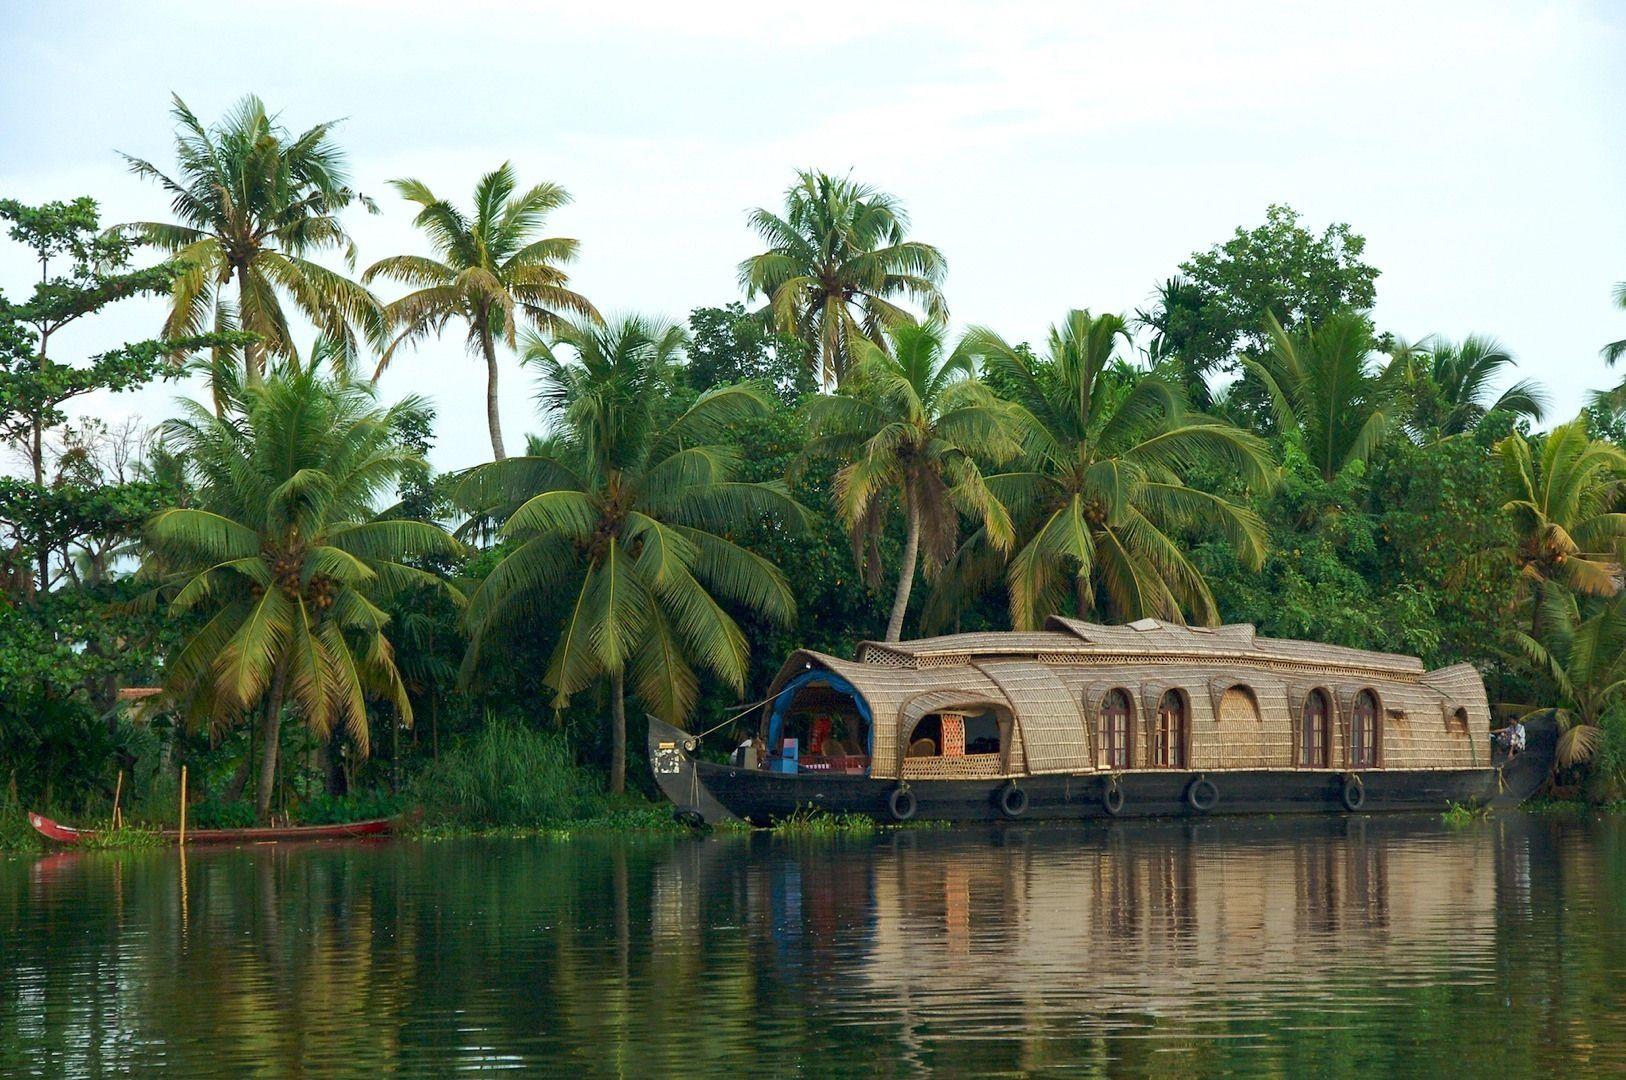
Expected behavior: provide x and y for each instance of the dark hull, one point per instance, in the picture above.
(708, 791)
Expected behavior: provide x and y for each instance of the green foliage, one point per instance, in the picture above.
(1323, 393)
(343, 809)
(728, 345)
(283, 560)
(1458, 815)
(218, 814)
(911, 428)
(491, 272)
(836, 259)
(254, 203)
(808, 821)
(618, 529)
(1099, 496)
(1277, 270)
(509, 776)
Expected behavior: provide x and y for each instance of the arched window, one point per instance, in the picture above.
(1169, 733)
(1363, 732)
(1456, 721)
(1114, 742)
(1313, 729)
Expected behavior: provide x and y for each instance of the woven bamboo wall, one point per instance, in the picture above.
(1054, 681)
(1052, 730)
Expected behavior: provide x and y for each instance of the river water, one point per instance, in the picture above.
(1353, 947)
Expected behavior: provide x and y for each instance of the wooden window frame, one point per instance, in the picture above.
(1172, 750)
(1372, 755)
(1105, 733)
(1322, 744)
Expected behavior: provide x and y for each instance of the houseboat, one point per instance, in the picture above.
(1079, 720)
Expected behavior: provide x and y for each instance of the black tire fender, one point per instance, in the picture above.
(901, 803)
(1112, 797)
(1353, 793)
(1203, 795)
(1013, 801)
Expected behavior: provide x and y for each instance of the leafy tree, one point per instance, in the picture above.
(617, 530)
(1447, 386)
(284, 560)
(1219, 306)
(727, 345)
(1582, 654)
(46, 517)
(1099, 498)
(1561, 496)
(254, 203)
(492, 273)
(910, 429)
(837, 258)
(1324, 394)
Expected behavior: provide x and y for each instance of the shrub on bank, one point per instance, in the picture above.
(509, 776)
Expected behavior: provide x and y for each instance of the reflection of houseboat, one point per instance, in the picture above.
(1081, 720)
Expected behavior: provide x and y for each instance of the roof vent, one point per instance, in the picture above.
(1145, 624)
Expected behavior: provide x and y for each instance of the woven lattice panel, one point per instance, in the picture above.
(968, 767)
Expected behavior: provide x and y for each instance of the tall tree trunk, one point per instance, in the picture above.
(253, 357)
(338, 781)
(271, 743)
(906, 575)
(618, 733)
(245, 768)
(493, 418)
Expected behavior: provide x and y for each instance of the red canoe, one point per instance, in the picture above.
(67, 834)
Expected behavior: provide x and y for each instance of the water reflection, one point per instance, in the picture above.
(1293, 947)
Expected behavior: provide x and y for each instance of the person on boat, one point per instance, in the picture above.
(1510, 738)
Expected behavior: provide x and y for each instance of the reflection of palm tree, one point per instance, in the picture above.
(839, 247)
(1099, 497)
(911, 430)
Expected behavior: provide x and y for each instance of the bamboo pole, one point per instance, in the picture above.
(182, 836)
(118, 792)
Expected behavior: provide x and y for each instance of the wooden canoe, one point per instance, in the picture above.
(67, 834)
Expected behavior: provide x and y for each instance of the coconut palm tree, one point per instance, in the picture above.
(1098, 496)
(282, 560)
(910, 427)
(253, 203)
(837, 258)
(1583, 656)
(1324, 391)
(1448, 385)
(491, 272)
(1560, 496)
(616, 528)
(1616, 349)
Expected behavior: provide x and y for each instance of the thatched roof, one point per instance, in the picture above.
(1065, 640)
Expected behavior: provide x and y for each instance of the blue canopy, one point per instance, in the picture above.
(781, 705)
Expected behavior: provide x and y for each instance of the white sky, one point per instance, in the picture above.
(1060, 155)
